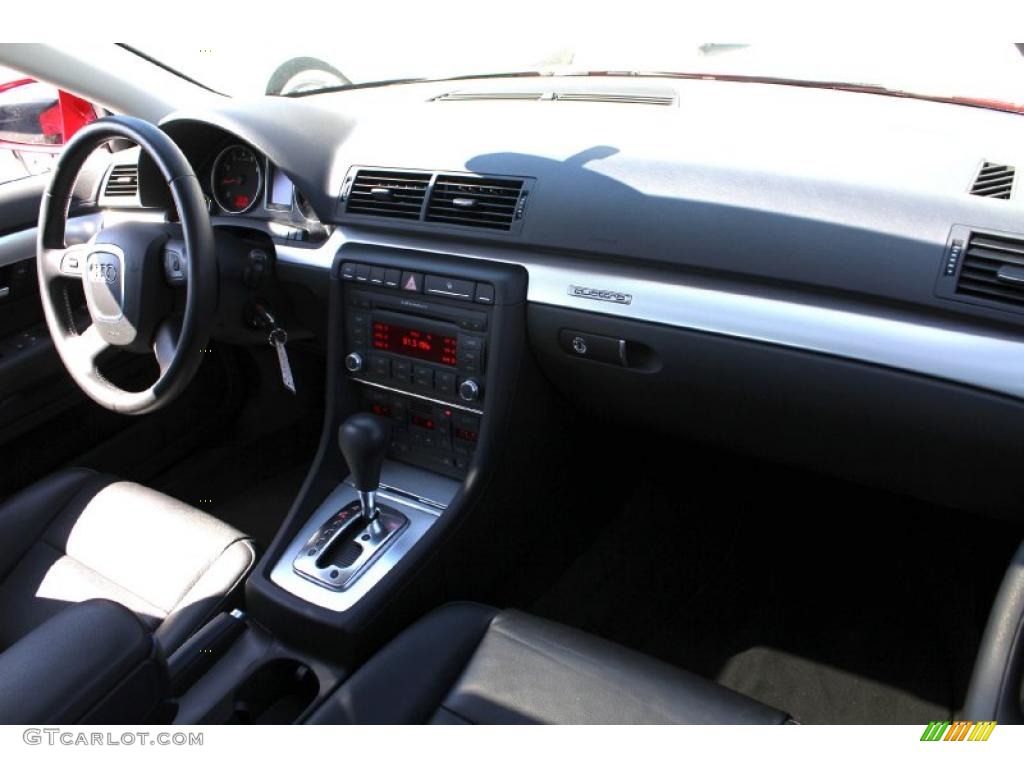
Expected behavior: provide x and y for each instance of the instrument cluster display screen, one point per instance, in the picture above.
(414, 342)
(281, 190)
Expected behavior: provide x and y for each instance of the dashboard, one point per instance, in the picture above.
(815, 229)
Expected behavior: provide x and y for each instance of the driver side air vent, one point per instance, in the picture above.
(994, 180)
(469, 201)
(394, 194)
(123, 181)
(993, 269)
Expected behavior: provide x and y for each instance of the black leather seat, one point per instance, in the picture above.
(78, 535)
(470, 664)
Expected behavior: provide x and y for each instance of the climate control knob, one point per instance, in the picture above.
(469, 390)
(354, 362)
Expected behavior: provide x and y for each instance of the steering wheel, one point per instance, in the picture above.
(127, 271)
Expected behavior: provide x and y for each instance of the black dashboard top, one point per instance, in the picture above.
(836, 192)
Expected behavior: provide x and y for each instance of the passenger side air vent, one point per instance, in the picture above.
(994, 180)
(469, 201)
(993, 269)
(123, 181)
(394, 194)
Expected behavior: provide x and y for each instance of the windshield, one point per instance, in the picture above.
(979, 71)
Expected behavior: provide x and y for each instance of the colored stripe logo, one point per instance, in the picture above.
(959, 730)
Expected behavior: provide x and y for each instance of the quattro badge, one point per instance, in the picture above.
(600, 294)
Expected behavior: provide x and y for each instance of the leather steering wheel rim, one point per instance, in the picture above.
(178, 353)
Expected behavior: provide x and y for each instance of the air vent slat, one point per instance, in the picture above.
(392, 194)
(994, 180)
(984, 244)
(474, 202)
(123, 181)
(983, 258)
(489, 197)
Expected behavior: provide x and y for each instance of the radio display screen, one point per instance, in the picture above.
(414, 342)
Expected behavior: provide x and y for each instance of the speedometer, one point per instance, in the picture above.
(237, 179)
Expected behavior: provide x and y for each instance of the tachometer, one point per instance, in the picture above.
(237, 179)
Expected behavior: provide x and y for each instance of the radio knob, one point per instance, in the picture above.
(354, 362)
(469, 390)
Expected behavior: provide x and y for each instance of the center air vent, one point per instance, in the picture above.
(469, 201)
(395, 194)
(123, 181)
(994, 180)
(993, 269)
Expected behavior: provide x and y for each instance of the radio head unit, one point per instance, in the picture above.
(417, 344)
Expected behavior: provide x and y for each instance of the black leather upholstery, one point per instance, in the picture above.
(94, 662)
(996, 691)
(467, 663)
(78, 535)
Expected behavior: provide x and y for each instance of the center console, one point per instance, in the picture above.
(423, 356)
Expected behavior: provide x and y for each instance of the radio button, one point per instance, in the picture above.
(471, 343)
(444, 382)
(412, 281)
(423, 377)
(474, 322)
(449, 287)
(484, 293)
(402, 371)
(380, 366)
(359, 300)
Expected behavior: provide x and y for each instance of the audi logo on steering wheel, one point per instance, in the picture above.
(103, 272)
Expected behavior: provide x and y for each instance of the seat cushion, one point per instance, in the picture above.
(470, 664)
(79, 535)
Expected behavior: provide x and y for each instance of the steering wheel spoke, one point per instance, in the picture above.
(165, 342)
(86, 347)
(64, 262)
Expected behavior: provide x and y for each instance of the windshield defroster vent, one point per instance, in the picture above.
(394, 194)
(993, 269)
(994, 180)
(467, 201)
(661, 97)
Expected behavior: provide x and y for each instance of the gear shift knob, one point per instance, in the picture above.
(363, 439)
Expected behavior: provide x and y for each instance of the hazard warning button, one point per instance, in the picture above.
(412, 281)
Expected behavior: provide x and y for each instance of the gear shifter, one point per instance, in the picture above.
(363, 439)
(351, 539)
